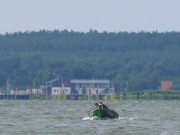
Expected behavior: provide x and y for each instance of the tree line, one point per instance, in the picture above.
(135, 61)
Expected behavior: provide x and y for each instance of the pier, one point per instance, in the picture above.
(15, 97)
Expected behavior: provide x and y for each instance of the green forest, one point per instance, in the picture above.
(134, 61)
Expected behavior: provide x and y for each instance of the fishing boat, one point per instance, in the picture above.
(102, 112)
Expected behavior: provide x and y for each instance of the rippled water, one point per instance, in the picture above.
(43, 117)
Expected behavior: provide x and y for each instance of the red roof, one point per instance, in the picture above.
(166, 84)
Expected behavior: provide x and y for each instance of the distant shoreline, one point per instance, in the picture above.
(138, 95)
(145, 95)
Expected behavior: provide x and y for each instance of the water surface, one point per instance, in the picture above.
(48, 117)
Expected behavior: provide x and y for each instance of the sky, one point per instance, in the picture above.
(83, 15)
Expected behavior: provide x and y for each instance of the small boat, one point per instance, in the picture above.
(103, 112)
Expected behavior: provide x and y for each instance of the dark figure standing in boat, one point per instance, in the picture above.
(102, 112)
(100, 104)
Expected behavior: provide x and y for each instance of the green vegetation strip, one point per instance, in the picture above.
(149, 95)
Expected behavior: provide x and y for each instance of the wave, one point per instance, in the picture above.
(120, 118)
(88, 118)
(128, 118)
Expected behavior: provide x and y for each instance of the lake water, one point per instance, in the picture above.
(48, 117)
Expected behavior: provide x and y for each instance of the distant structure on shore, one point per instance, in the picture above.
(166, 84)
(92, 87)
(61, 86)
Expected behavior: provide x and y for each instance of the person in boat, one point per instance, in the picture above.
(100, 104)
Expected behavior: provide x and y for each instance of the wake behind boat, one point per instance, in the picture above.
(102, 112)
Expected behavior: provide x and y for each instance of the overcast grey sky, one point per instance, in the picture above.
(83, 15)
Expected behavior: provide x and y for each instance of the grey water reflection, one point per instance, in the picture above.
(48, 117)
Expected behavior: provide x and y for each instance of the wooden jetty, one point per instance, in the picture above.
(15, 97)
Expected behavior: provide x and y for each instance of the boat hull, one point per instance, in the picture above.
(103, 113)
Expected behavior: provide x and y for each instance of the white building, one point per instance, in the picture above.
(61, 91)
(92, 87)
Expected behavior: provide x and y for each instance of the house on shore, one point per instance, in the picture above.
(61, 91)
(166, 84)
(60, 86)
(92, 87)
(56, 86)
